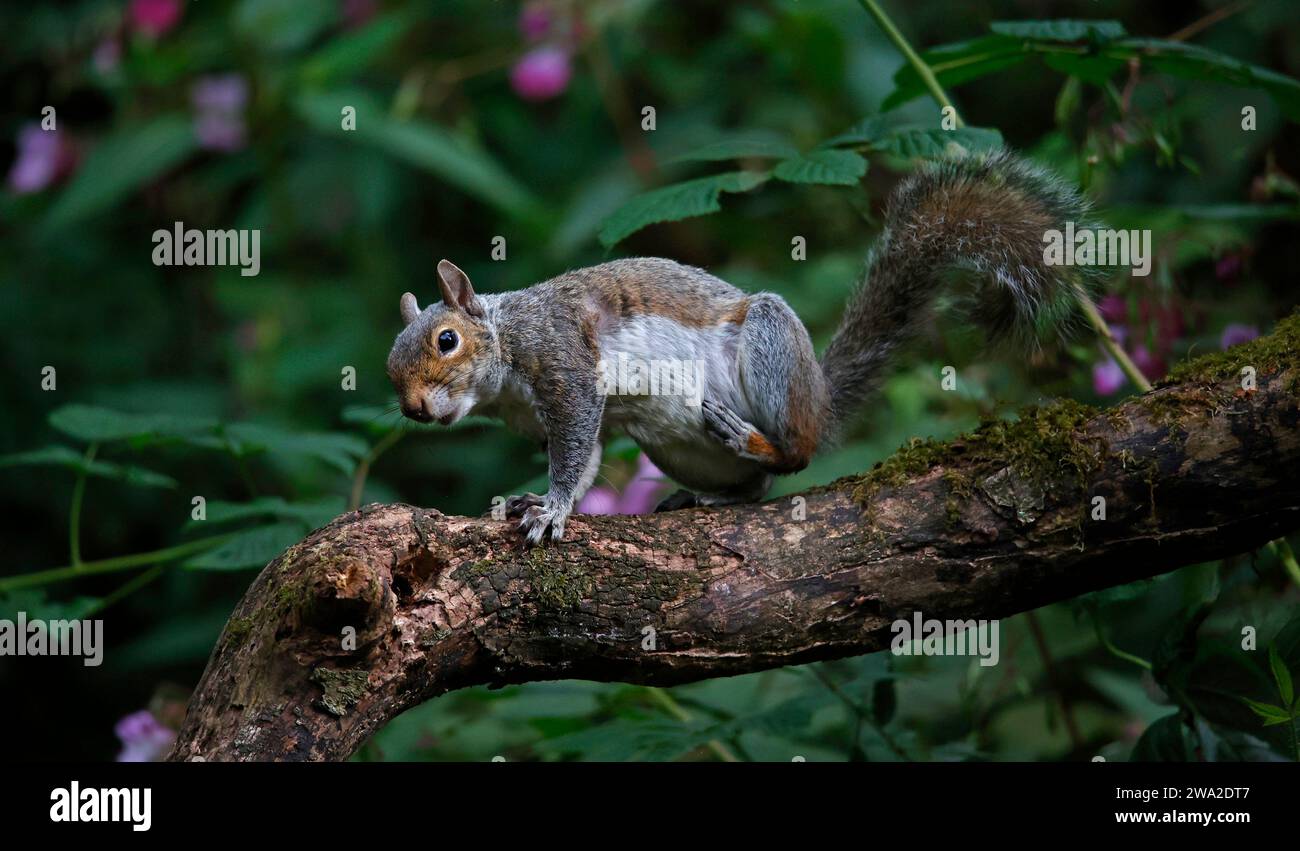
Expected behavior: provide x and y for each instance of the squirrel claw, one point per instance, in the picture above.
(537, 520)
(725, 427)
(518, 504)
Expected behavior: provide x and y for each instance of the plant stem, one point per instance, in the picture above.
(1115, 651)
(110, 565)
(913, 58)
(363, 466)
(1112, 346)
(129, 587)
(859, 711)
(675, 709)
(74, 514)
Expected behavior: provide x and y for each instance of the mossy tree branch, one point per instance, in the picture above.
(990, 524)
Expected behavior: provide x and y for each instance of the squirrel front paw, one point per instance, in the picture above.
(538, 518)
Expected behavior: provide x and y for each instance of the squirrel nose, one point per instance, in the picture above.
(418, 413)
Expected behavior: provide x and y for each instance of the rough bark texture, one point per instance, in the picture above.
(991, 524)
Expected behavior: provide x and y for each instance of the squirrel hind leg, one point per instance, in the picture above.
(746, 441)
(783, 385)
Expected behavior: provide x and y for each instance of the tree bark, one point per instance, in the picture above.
(997, 522)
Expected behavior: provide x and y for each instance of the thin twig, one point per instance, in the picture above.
(913, 58)
(1201, 24)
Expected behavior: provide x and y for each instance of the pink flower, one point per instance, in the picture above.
(639, 497)
(601, 499)
(1236, 333)
(43, 157)
(219, 111)
(541, 74)
(535, 21)
(144, 739)
(1107, 377)
(154, 17)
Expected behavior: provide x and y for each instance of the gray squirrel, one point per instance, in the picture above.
(533, 357)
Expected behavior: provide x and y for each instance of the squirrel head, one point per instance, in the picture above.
(446, 357)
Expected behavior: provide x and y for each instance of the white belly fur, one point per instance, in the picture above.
(669, 425)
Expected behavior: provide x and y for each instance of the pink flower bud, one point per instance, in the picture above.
(541, 74)
(43, 157)
(1107, 377)
(154, 17)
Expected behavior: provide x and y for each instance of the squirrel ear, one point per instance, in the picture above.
(456, 290)
(410, 308)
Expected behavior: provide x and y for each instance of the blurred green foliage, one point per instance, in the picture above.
(771, 120)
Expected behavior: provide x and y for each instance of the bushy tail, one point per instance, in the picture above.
(986, 213)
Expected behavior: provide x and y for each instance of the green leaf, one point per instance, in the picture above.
(1089, 67)
(1060, 30)
(337, 449)
(419, 143)
(957, 63)
(49, 456)
(626, 739)
(867, 131)
(675, 202)
(740, 148)
(256, 547)
(355, 51)
(961, 62)
(928, 143)
(1267, 711)
(90, 423)
(120, 164)
(283, 25)
(1198, 63)
(62, 456)
(827, 166)
(1281, 676)
(102, 425)
(33, 602)
(311, 515)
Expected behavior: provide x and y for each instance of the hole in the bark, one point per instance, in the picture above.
(402, 588)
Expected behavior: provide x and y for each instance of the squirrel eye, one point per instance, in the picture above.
(446, 341)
